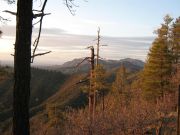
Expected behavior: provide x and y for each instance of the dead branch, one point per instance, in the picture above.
(36, 22)
(40, 54)
(40, 15)
(36, 42)
(34, 15)
(36, 10)
(70, 4)
(3, 19)
(82, 62)
(89, 47)
(10, 12)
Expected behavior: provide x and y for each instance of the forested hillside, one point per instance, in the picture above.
(123, 81)
(131, 102)
(44, 84)
(53, 89)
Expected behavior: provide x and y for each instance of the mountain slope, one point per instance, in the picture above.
(43, 85)
(69, 67)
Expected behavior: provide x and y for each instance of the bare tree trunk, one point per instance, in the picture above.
(22, 71)
(91, 93)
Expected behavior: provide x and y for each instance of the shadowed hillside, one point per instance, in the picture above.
(43, 85)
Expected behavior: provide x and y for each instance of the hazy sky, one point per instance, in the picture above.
(66, 47)
(117, 18)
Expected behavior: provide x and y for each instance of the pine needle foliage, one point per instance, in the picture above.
(158, 67)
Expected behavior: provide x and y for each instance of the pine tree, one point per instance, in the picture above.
(157, 70)
(176, 41)
(99, 82)
(99, 79)
(121, 88)
(119, 84)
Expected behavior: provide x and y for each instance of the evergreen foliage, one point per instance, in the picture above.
(158, 68)
(176, 40)
(100, 79)
(120, 83)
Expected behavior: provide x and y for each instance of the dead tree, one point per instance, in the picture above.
(92, 93)
(97, 59)
(98, 43)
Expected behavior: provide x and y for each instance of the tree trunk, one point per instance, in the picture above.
(178, 111)
(22, 71)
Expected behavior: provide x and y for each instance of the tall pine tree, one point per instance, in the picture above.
(176, 41)
(157, 70)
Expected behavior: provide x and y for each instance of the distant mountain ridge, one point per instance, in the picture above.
(70, 66)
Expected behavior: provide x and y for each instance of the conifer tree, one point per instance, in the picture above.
(176, 41)
(99, 79)
(157, 70)
(121, 80)
(120, 87)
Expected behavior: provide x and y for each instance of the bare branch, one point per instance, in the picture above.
(36, 22)
(10, 12)
(69, 4)
(3, 19)
(40, 15)
(36, 10)
(36, 42)
(40, 54)
(82, 62)
(72, 3)
(89, 47)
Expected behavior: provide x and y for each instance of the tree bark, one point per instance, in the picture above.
(22, 71)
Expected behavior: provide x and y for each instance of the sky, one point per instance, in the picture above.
(117, 19)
